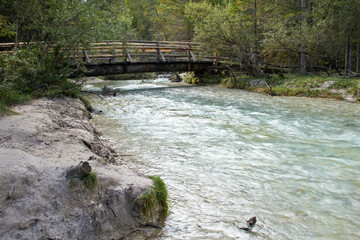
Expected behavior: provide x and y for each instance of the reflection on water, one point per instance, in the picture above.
(227, 155)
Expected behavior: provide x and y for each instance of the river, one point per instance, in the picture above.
(227, 155)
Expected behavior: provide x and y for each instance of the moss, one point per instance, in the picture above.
(90, 180)
(156, 197)
(86, 103)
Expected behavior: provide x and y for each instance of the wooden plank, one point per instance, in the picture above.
(108, 48)
(150, 42)
(106, 55)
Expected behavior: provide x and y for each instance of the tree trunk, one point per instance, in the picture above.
(303, 62)
(256, 34)
(358, 57)
(17, 25)
(358, 53)
(348, 56)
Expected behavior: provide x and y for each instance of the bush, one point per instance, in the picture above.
(190, 78)
(32, 73)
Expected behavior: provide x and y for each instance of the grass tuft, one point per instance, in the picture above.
(156, 197)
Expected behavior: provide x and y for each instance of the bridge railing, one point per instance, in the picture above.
(141, 51)
(134, 51)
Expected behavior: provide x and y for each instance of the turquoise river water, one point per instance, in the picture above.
(227, 155)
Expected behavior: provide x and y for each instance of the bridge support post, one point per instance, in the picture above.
(128, 55)
(86, 56)
(160, 56)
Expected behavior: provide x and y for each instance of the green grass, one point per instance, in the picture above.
(157, 196)
(90, 181)
(350, 85)
(298, 85)
(282, 91)
(9, 98)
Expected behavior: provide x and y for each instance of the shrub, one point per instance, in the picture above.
(32, 72)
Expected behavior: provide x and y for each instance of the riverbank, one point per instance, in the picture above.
(38, 148)
(314, 86)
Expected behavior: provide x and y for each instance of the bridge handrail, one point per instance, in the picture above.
(138, 50)
(122, 43)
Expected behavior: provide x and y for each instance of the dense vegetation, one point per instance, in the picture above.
(299, 35)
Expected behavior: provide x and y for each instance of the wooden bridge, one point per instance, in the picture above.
(116, 57)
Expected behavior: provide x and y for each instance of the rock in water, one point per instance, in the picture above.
(175, 78)
(250, 224)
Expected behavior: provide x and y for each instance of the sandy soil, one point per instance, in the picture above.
(37, 148)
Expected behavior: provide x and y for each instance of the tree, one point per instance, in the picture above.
(303, 56)
(227, 30)
(50, 33)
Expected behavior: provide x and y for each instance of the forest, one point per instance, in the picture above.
(302, 36)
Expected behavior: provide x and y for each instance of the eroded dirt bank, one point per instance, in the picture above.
(37, 148)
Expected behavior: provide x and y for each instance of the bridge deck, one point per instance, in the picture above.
(112, 68)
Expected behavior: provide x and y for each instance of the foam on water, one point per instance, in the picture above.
(227, 155)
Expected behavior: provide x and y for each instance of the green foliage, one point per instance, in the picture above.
(5, 28)
(155, 198)
(222, 30)
(27, 72)
(191, 79)
(10, 97)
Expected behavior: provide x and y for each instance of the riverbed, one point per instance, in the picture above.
(227, 155)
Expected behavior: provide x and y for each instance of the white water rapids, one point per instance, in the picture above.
(227, 155)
